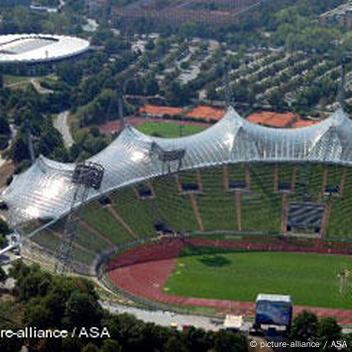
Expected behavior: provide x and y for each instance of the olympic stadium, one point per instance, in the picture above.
(39, 48)
(275, 202)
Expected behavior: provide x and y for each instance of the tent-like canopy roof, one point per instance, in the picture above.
(45, 190)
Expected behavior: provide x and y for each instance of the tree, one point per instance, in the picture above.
(178, 94)
(150, 45)
(305, 327)
(82, 310)
(198, 340)
(4, 126)
(49, 141)
(348, 339)
(128, 331)
(33, 284)
(102, 108)
(151, 86)
(155, 337)
(110, 346)
(20, 150)
(37, 315)
(70, 344)
(3, 275)
(115, 44)
(175, 344)
(4, 227)
(69, 73)
(226, 341)
(90, 348)
(9, 344)
(329, 331)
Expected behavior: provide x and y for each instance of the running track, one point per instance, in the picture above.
(143, 271)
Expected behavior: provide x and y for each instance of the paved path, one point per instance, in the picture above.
(37, 86)
(62, 125)
(164, 318)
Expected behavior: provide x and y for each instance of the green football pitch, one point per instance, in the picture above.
(311, 279)
(169, 129)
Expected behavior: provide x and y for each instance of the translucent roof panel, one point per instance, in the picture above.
(45, 189)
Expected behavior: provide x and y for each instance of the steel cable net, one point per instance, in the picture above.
(45, 190)
(238, 198)
(244, 198)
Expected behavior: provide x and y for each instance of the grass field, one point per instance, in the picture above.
(311, 279)
(10, 79)
(169, 129)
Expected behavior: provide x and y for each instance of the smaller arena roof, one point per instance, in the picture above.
(36, 48)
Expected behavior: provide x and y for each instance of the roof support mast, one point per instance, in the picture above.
(86, 176)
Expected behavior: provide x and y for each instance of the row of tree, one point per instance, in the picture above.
(56, 302)
(45, 301)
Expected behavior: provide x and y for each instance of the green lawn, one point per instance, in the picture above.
(311, 279)
(169, 129)
(10, 79)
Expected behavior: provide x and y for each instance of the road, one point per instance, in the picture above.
(165, 318)
(13, 136)
(41, 90)
(62, 125)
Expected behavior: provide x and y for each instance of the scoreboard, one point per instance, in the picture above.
(273, 310)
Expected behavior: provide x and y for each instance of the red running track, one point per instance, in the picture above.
(143, 272)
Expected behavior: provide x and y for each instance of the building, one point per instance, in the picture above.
(94, 6)
(44, 9)
(176, 13)
(340, 16)
(39, 48)
(233, 322)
